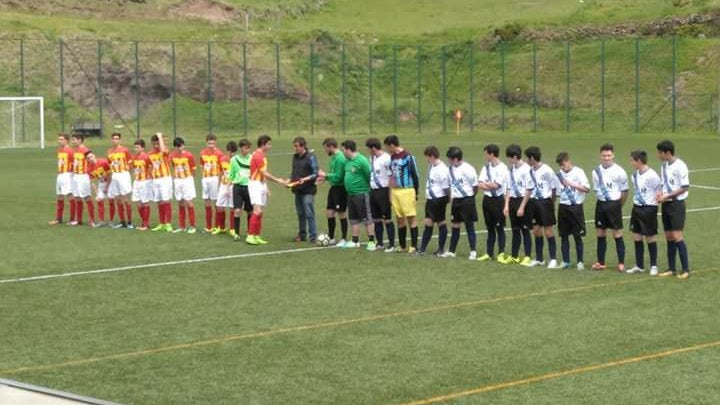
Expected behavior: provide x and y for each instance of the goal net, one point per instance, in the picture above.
(22, 122)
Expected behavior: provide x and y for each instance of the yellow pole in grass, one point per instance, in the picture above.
(458, 117)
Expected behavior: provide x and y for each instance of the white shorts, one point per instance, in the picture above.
(225, 196)
(81, 186)
(258, 192)
(142, 191)
(120, 185)
(185, 189)
(63, 184)
(102, 190)
(210, 188)
(162, 189)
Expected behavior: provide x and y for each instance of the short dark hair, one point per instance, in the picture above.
(210, 137)
(79, 136)
(232, 146)
(300, 141)
(492, 149)
(666, 146)
(432, 151)
(373, 143)
(244, 142)
(350, 144)
(140, 142)
(562, 157)
(330, 142)
(607, 146)
(64, 136)
(154, 138)
(454, 152)
(114, 134)
(178, 141)
(533, 152)
(513, 150)
(263, 140)
(391, 140)
(639, 156)
(88, 152)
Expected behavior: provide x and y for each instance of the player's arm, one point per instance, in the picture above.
(313, 171)
(583, 186)
(506, 206)
(414, 175)
(273, 178)
(523, 203)
(161, 143)
(624, 187)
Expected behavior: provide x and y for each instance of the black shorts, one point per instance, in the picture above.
(463, 210)
(571, 220)
(608, 215)
(673, 215)
(643, 220)
(241, 198)
(516, 222)
(337, 199)
(359, 208)
(493, 211)
(542, 212)
(436, 208)
(380, 203)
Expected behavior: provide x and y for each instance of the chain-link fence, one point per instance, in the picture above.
(631, 85)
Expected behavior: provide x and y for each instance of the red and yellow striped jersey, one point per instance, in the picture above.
(258, 164)
(210, 160)
(141, 166)
(160, 162)
(64, 162)
(99, 170)
(79, 163)
(119, 158)
(225, 167)
(183, 163)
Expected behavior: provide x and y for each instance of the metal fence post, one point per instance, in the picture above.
(174, 93)
(370, 89)
(602, 86)
(637, 84)
(567, 86)
(344, 90)
(62, 85)
(534, 86)
(312, 89)
(209, 87)
(137, 91)
(471, 113)
(99, 86)
(245, 90)
(22, 85)
(419, 89)
(395, 88)
(443, 84)
(674, 87)
(503, 90)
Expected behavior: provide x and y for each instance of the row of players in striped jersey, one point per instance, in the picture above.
(156, 177)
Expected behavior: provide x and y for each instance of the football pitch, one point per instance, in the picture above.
(145, 318)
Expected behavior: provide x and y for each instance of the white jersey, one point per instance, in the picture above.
(463, 179)
(609, 182)
(497, 174)
(381, 171)
(438, 181)
(543, 182)
(675, 175)
(569, 195)
(646, 185)
(519, 180)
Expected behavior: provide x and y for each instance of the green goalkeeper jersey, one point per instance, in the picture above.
(357, 175)
(337, 169)
(240, 169)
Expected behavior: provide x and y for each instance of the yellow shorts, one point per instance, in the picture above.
(403, 202)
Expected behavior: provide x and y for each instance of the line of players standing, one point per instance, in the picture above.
(525, 193)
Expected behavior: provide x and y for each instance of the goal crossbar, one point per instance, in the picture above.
(41, 101)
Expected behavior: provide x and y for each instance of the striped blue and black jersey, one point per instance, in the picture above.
(404, 170)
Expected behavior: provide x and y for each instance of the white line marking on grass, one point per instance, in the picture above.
(217, 258)
(709, 169)
(704, 187)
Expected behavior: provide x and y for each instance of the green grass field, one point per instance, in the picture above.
(188, 319)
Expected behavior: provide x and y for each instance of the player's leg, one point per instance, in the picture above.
(430, 208)
(548, 224)
(190, 195)
(470, 216)
(309, 208)
(375, 209)
(601, 234)
(410, 210)
(564, 230)
(301, 218)
(578, 234)
(499, 222)
(489, 226)
(539, 246)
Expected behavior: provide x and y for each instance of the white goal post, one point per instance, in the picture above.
(22, 122)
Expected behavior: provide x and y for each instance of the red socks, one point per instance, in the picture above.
(220, 218)
(78, 211)
(121, 212)
(128, 212)
(73, 212)
(191, 215)
(101, 210)
(208, 216)
(181, 216)
(255, 224)
(112, 210)
(91, 210)
(59, 209)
